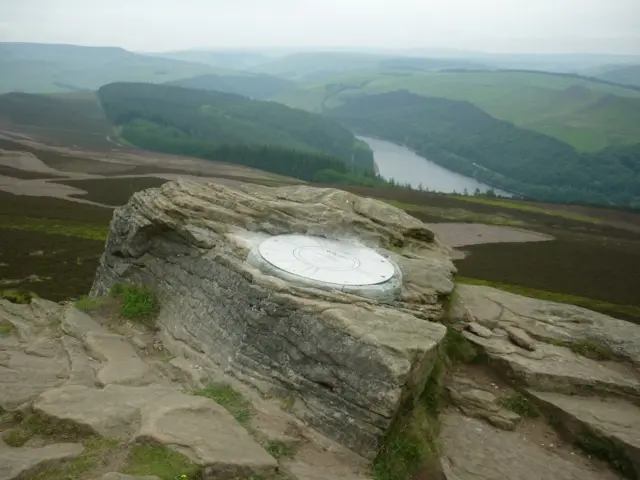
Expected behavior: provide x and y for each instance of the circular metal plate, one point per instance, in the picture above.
(329, 261)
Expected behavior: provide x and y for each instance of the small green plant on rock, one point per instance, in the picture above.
(457, 348)
(95, 449)
(5, 327)
(279, 449)
(33, 425)
(412, 441)
(593, 349)
(17, 296)
(224, 395)
(86, 303)
(139, 304)
(521, 405)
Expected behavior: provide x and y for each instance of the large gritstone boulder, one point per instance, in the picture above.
(317, 293)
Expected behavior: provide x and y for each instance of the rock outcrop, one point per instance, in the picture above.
(350, 361)
(579, 367)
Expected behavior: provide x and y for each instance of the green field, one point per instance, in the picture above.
(585, 114)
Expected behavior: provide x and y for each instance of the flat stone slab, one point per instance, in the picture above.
(194, 426)
(122, 365)
(78, 324)
(473, 450)
(476, 402)
(549, 321)
(207, 434)
(20, 463)
(556, 369)
(612, 419)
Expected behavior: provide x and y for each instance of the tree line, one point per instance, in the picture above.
(235, 129)
(467, 140)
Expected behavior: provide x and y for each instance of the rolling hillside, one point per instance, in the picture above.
(462, 137)
(253, 86)
(626, 74)
(44, 68)
(319, 66)
(228, 59)
(585, 114)
(232, 128)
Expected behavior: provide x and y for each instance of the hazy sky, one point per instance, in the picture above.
(490, 25)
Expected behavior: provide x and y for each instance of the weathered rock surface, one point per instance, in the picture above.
(122, 365)
(195, 426)
(473, 450)
(350, 360)
(19, 463)
(30, 360)
(549, 321)
(557, 369)
(614, 420)
(477, 402)
(533, 352)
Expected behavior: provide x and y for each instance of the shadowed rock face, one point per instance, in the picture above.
(350, 361)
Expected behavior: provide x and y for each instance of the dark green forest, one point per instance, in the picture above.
(235, 129)
(465, 139)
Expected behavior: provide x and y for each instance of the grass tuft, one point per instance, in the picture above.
(161, 461)
(593, 349)
(412, 441)
(410, 444)
(96, 448)
(278, 449)
(457, 348)
(139, 303)
(87, 304)
(33, 425)
(224, 395)
(6, 328)
(521, 405)
(17, 296)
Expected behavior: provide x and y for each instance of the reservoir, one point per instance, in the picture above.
(404, 166)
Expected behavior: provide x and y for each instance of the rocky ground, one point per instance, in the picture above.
(88, 397)
(120, 387)
(97, 397)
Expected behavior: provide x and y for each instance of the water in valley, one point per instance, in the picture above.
(404, 166)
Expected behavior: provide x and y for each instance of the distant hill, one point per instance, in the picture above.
(587, 114)
(232, 128)
(318, 66)
(227, 59)
(462, 137)
(252, 86)
(625, 74)
(48, 68)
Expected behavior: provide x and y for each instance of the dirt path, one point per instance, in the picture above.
(463, 234)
